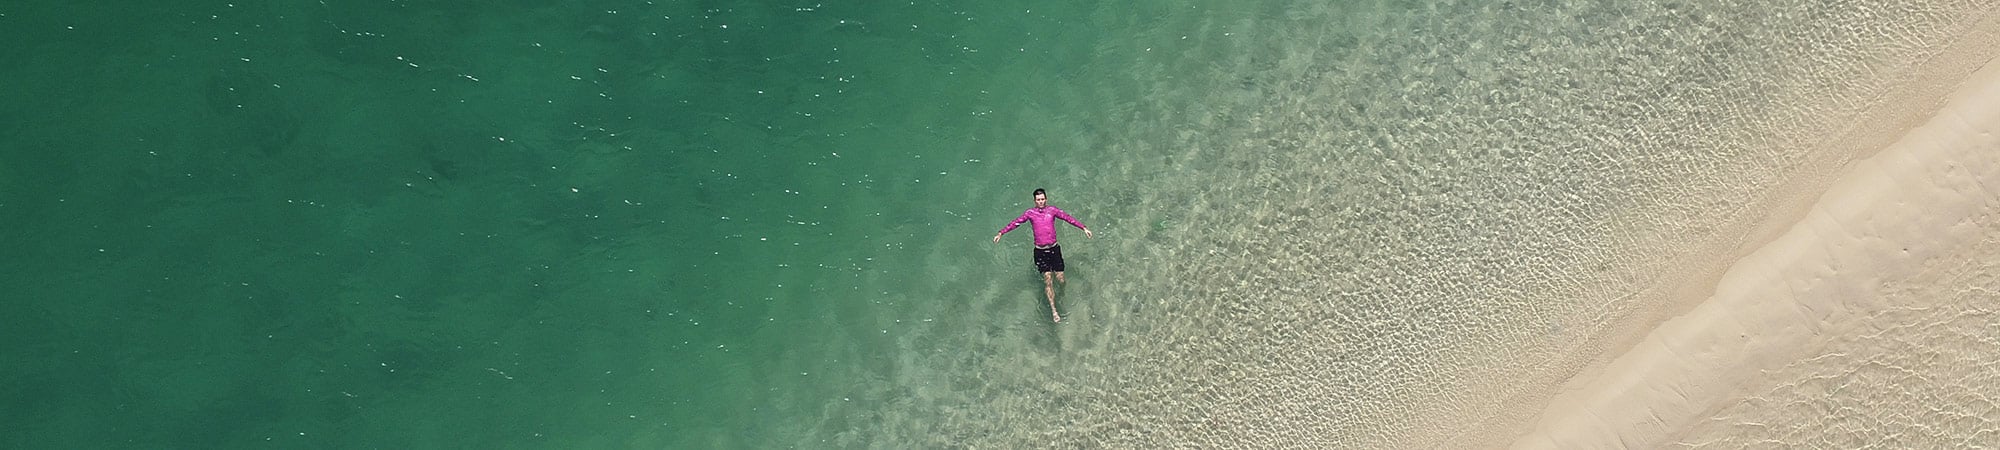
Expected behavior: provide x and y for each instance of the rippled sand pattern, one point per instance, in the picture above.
(1359, 241)
(1922, 371)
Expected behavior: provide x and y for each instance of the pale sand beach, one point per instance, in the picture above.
(1867, 318)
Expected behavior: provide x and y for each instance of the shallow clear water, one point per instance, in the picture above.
(696, 224)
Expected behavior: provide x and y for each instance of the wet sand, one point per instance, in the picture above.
(1865, 318)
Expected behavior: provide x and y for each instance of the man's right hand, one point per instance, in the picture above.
(996, 238)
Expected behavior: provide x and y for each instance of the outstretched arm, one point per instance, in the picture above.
(1010, 226)
(1072, 221)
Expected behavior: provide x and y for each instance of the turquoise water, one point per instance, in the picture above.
(712, 225)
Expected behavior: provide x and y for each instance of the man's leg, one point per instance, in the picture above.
(1059, 278)
(1050, 288)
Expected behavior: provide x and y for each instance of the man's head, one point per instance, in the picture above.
(1041, 198)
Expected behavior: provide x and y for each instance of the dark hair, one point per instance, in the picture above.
(1039, 191)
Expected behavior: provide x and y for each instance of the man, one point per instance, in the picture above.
(1048, 256)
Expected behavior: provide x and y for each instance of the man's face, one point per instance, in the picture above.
(1041, 200)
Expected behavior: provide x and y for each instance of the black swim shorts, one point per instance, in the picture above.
(1049, 259)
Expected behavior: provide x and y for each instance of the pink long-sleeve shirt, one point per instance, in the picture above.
(1043, 222)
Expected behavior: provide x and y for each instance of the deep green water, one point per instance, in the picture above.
(677, 224)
